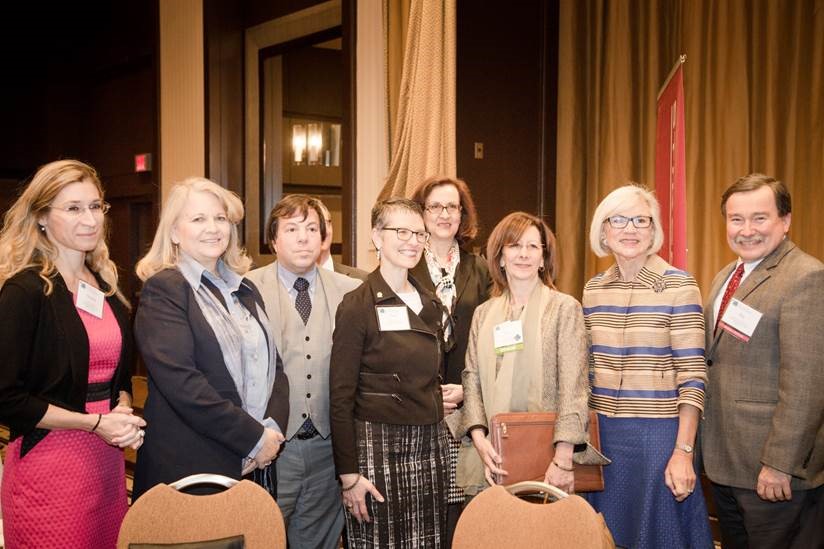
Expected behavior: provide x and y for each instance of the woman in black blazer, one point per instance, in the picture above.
(66, 348)
(385, 394)
(218, 397)
(461, 281)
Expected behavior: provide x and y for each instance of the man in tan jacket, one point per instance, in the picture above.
(763, 438)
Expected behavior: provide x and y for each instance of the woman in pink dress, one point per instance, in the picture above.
(65, 385)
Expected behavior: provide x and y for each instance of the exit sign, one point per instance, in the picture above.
(143, 162)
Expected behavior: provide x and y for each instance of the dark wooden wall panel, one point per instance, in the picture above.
(506, 97)
(80, 81)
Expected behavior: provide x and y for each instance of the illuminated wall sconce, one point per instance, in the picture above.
(314, 143)
(299, 142)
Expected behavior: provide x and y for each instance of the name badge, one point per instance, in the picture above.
(508, 336)
(90, 299)
(740, 320)
(393, 318)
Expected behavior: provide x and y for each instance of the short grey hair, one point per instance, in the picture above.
(617, 200)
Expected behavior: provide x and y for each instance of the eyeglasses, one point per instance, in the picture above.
(621, 221)
(531, 247)
(76, 210)
(406, 234)
(437, 209)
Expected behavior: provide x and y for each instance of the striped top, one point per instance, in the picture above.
(646, 341)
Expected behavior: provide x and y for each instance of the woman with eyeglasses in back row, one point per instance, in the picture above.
(388, 434)
(65, 381)
(461, 281)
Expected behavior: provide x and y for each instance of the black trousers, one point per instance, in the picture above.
(749, 522)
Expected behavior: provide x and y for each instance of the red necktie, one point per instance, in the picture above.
(728, 293)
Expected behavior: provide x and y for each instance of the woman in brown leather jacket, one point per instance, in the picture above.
(388, 434)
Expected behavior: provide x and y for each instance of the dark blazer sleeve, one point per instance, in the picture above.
(348, 343)
(167, 342)
(20, 410)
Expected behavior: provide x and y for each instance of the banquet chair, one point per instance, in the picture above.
(509, 517)
(242, 516)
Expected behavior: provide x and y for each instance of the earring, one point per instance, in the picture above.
(42, 228)
(378, 253)
(541, 269)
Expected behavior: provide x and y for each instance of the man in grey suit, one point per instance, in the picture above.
(326, 260)
(301, 301)
(763, 436)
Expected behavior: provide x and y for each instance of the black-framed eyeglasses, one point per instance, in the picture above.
(76, 210)
(437, 209)
(621, 221)
(406, 234)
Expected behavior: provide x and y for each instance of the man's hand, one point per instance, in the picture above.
(270, 449)
(773, 485)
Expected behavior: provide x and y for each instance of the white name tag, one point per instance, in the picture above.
(393, 318)
(90, 299)
(508, 336)
(740, 320)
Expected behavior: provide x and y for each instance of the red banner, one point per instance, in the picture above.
(670, 167)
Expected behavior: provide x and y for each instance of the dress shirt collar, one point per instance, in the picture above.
(193, 271)
(287, 278)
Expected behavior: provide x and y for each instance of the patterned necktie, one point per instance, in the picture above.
(302, 303)
(728, 293)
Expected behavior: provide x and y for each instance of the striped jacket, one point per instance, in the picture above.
(646, 341)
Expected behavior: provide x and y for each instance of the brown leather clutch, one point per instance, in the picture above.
(524, 442)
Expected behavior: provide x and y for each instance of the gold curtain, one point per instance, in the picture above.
(420, 63)
(754, 87)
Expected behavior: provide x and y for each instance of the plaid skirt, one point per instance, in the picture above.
(409, 465)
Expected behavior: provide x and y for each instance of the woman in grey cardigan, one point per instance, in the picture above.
(527, 352)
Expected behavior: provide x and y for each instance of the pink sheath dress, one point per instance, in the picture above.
(70, 489)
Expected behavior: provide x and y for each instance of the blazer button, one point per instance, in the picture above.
(308, 395)
(308, 376)
(709, 362)
(307, 338)
(303, 415)
(308, 357)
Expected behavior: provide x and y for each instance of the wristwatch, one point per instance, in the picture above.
(686, 448)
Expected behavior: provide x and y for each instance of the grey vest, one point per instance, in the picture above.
(306, 351)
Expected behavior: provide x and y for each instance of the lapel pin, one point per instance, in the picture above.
(380, 294)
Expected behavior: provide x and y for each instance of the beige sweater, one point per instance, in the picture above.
(565, 382)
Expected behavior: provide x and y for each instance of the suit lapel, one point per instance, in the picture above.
(271, 294)
(332, 293)
(755, 279)
(462, 275)
(420, 273)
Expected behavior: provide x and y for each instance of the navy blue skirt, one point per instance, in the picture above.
(639, 509)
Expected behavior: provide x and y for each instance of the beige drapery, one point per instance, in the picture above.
(420, 51)
(754, 87)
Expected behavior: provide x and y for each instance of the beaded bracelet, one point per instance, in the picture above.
(357, 480)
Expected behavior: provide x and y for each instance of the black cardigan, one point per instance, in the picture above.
(45, 352)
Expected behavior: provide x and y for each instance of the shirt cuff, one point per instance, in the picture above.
(267, 423)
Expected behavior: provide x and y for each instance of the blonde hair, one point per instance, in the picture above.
(621, 198)
(23, 242)
(164, 253)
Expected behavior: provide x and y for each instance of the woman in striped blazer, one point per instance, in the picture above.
(646, 331)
